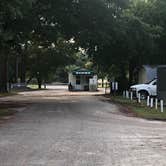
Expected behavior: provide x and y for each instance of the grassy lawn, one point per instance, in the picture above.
(140, 109)
(6, 112)
(8, 94)
(35, 87)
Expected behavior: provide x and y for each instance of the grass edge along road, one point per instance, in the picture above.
(6, 114)
(138, 109)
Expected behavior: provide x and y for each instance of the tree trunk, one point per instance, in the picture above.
(122, 79)
(39, 84)
(16, 70)
(23, 69)
(3, 73)
(39, 80)
(30, 78)
(102, 84)
(131, 69)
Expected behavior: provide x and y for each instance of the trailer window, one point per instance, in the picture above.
(78, 80)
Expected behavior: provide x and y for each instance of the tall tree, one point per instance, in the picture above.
(10, 11)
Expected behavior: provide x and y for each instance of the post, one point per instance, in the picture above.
(113, 87)
(131, 95)
(124, 94)
(45, 86)
(127, 94)
(151, 102)
(156, 103)
(148, 103)
(139, 98)
(116, 86)
(162, 105)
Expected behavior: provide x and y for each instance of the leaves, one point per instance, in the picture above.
(113, 33)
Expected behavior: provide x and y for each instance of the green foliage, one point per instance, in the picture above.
(118, 35)
(140, 109)
(45, 60)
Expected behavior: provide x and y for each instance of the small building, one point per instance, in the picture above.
(161, 82)
(82, 80)
(147, 73)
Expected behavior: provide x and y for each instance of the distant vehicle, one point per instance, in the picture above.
(18, 85)
(147, 89)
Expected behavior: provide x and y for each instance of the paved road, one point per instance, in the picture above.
(73, 130)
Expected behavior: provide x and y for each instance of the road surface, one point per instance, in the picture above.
(59, 128)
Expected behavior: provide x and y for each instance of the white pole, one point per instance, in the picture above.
(113, 86)
(116, 86)
(124, 94)
(156, 103)
(162, 105)
(139, 98)
(127, 94)
(131, 95)
(151, 102)
(148, 98)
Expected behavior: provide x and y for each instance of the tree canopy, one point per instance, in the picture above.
(117, 35)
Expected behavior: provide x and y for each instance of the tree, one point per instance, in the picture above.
(118, 35)
(10, 12)
(131, 44)
(45, 60)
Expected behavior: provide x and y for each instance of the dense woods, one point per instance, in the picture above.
(38, 36)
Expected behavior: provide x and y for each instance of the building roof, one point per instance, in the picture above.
(82, 72)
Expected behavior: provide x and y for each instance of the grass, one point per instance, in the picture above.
(152, 114)
(140, 109)
(35, 87)
(104, 86)
(8, 94)
(6, 112)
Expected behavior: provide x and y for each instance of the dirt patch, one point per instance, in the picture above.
(11, 104)
(125, 110)
(8, 109)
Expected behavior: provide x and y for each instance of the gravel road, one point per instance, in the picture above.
(58, 128)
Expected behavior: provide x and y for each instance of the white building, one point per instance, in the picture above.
(147, 73)
(83, 80)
